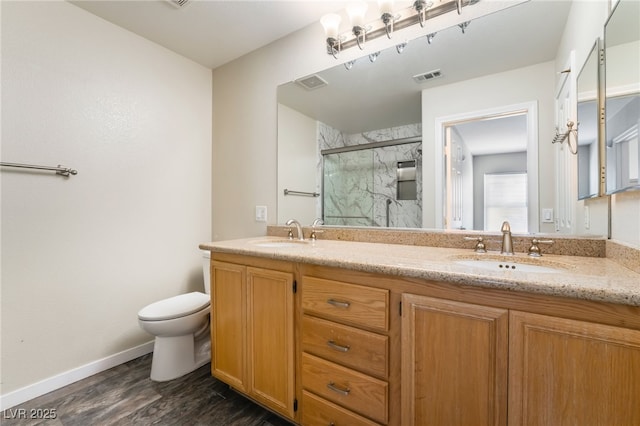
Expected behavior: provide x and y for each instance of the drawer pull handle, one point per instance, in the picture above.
(336, 389)
(337, 347)
(338, 303)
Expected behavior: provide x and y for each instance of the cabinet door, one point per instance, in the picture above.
(228, 323)
(454, 363)
(572, 372)
(271, 338)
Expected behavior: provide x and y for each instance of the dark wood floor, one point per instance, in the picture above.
(124, 395)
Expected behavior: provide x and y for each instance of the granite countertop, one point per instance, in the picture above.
(589, 278)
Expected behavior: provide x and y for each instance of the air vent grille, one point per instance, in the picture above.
(421, 78)
(312, 82)
(178, 3)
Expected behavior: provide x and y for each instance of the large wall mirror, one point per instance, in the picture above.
(589, 130)
(622, 81)
(353, 139)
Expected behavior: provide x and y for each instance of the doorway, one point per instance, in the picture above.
(489, 169)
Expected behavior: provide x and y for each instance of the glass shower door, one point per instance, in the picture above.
(348, 188)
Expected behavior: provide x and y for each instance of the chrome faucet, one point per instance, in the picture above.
(298, 229)
(507, 241)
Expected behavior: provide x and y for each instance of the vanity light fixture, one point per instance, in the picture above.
(330, 23)
(356, 11)
(390, 20)
(348, 65)
(400, 47)
(373, 56)
(430, 37)
(386, 15)
(421, 7)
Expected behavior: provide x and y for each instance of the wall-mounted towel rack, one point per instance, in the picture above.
(60, 170)
(304, 194)
(561, 137)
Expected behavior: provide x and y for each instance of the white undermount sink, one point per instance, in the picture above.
(278, 242)
(505, 263)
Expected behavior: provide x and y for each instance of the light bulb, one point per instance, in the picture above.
(356, 11)
(385, 6)
(330, 22)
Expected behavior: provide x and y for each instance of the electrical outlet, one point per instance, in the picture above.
(261, 213)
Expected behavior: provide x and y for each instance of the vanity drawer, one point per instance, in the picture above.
(320, 412)
(358, 392)
(351, 303)
(363, 350)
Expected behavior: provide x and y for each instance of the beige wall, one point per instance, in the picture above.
(81, 255)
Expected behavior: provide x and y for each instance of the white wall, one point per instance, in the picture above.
(298, 160)
(81, 255)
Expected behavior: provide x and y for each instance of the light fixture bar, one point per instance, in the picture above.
(407, 19)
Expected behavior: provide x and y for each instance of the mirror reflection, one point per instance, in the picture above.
(622, 81)
(486, 180)
(387, 101)
(588, 131)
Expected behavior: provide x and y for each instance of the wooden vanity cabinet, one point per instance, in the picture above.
(368, 349)
(466, 355)
(454, 363)
(565, 371)
(252, 329)
(345, 353)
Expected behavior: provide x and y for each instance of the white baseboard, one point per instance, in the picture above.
(37, 389)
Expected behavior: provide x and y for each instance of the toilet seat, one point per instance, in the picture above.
(175, 307)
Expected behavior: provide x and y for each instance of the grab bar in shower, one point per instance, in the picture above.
(304, 194)
(60, 170)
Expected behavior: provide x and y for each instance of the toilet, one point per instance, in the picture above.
(181, 327)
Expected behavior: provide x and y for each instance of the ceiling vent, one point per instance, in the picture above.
(424, 77)
(312, 82)
(178, 3)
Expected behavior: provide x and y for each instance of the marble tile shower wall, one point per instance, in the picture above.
(358, 185)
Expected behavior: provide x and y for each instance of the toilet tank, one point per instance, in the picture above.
(206, 270)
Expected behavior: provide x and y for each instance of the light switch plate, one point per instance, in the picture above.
(547, 215)
(587, 218)
(261, 213)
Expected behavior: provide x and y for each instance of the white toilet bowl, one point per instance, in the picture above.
(180, 325)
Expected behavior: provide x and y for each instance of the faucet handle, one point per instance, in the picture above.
(480, 246)
(290, 233)
(314, 233)
(534, 250)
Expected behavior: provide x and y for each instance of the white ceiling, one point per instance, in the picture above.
(202, 30)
